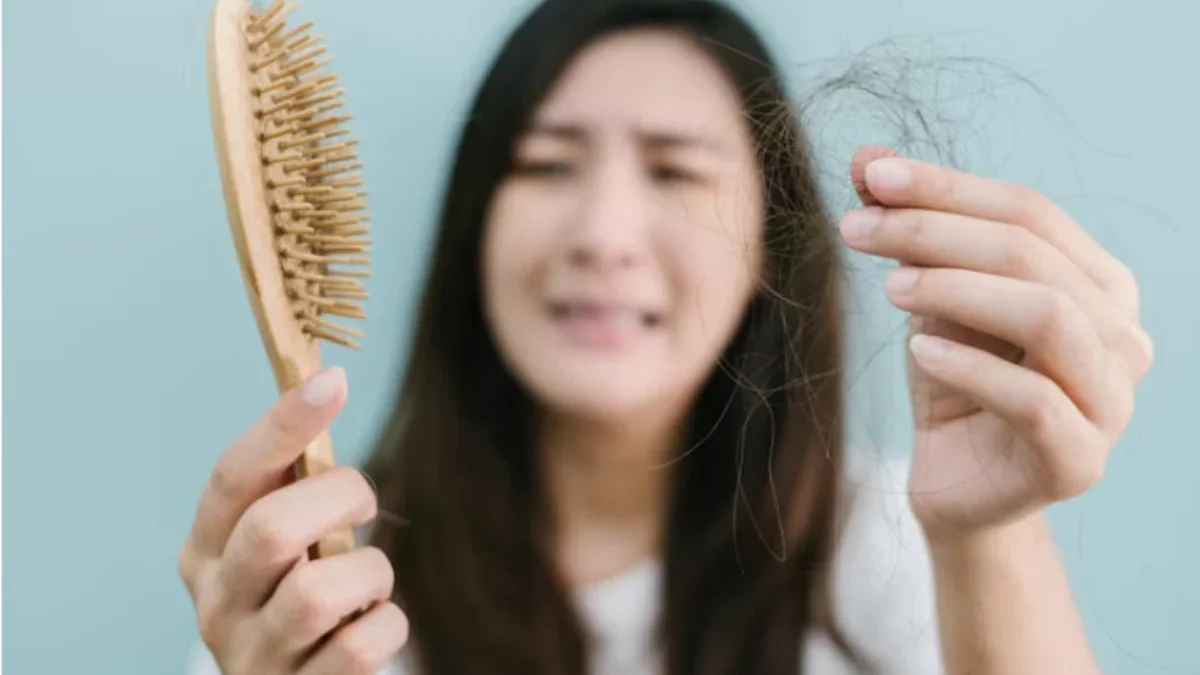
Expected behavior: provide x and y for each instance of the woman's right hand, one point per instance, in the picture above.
(262, 607)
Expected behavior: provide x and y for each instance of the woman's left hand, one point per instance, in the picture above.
(1025, 344)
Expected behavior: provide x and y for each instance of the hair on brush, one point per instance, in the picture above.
(293, 196)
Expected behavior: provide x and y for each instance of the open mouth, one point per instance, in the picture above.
(603, 325)
(597, 312)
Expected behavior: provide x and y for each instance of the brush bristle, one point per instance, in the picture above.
(310, 163)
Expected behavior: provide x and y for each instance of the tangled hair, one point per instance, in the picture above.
(754, 507)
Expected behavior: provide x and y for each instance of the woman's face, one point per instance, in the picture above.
(620, 254)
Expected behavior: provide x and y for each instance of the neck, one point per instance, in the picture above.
(607, 486)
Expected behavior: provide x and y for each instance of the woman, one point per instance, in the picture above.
(618, 446)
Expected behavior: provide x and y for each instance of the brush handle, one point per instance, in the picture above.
(316, 459)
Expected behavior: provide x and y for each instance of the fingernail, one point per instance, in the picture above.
(901, 281)
(323, 387)
(858, 225)
(927, 348)
(888, 174)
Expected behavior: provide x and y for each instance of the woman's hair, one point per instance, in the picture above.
(752, 521)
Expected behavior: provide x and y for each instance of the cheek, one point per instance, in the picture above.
(720, 258)
(513, 258)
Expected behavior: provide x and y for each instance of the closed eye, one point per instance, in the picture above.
(543, 169)
(665, 173)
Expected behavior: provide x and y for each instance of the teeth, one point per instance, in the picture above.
(625, 320)
(622, 320)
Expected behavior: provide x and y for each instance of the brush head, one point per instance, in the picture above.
(309, 163)
(293, 197)
(290, 176)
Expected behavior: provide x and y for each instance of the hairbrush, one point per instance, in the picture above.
(293, 196)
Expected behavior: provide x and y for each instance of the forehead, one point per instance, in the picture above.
(646, 78)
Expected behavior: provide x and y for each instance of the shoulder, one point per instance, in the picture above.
(883, 578)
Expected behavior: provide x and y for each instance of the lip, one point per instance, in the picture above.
(603, 324)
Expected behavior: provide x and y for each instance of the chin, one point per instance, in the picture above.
(594, 396)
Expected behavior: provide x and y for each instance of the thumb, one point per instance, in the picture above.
(858, 169)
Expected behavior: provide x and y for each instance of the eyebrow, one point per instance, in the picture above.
(663, 140)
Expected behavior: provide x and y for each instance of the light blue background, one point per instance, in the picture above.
(132, 359)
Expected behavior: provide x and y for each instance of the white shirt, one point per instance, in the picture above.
(883, 595)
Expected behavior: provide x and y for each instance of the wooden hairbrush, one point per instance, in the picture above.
(293, 198)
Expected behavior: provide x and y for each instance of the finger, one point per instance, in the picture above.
(899, 182)
(1057, 336)
(858, 170)
(363, 647)
(315, 597)
(256, 463)
(277, 530)
(927, 238)
(941, 239)
(1071, 452)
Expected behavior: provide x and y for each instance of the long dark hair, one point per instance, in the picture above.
(752, 524)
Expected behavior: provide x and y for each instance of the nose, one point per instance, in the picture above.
(611, 225)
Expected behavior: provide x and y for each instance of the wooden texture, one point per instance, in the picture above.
(294, 353)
